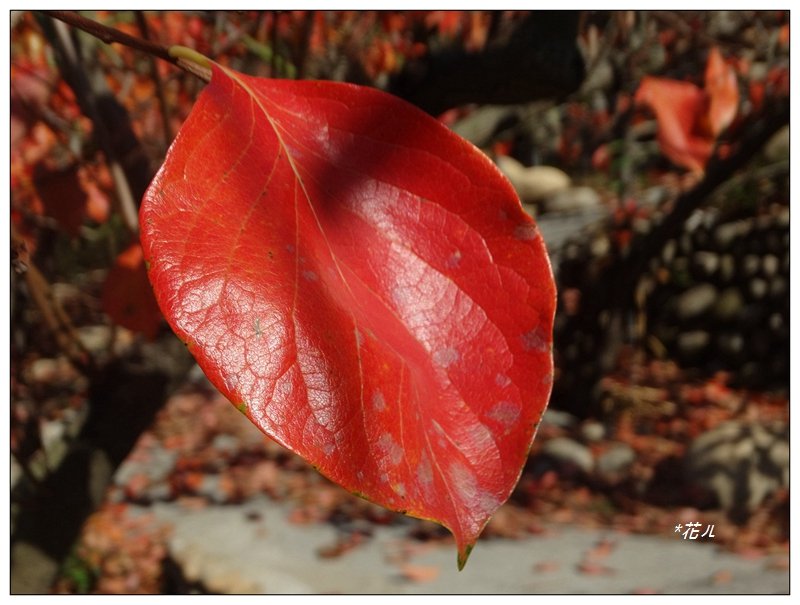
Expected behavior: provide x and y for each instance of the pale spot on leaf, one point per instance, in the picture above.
(390, 448)
(378, 401)
(464, 481)
(502, 380)
(526, 232)
(446, 357)
(535, 341)
(425, 472)
(504, 412)
(454, 260)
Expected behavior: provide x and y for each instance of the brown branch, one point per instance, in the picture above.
(162, 99)
(76, 77)
(110, 35)
(53, 315)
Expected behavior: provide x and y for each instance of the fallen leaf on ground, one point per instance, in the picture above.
(420, 573)
(547, 566)
(723, 576)
(591, 568)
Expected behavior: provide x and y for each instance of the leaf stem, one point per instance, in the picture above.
(192, 61)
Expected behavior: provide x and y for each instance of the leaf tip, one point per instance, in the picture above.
(463, 555)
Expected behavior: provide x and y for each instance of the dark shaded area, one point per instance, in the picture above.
(539, 60)
(124, 398)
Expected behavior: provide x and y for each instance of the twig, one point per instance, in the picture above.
(301, 58)
(54, 316)
(110, 35)
(162, 100)
(86, 98)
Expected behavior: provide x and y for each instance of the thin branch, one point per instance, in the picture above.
(53, 315)
(85, 93)
(110, 35)
(162, 99)
(301, 60)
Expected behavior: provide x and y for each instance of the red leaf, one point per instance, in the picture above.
(678, 106)
(127, 298)
(364, 284)
(690, 119)
(62, 196)
(723, 92)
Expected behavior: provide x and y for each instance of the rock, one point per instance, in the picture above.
(668, 252)
(46, 370)
(731, 345)
(694, 342)
(534, 183)
(569, 453)
(156, 463)
(707, 261)
(654, 196)
(213, 488)
(685, 244)
(751, 264)
(559, 418)
(727, 267)
(198, 567)
(776, 323)
(641, 225)
(778, 288)
(726, 233)
(725, 23)
(779, 457)
(777, 148)
(600, 77)
(740, 463)
(694, 221)
(770, 265)
(696, 301)
(600, 245)
(225, 444)
(729, 304)
(593, 431)
(758, 288)
(479, 125)
(782, 218)
(613, 464)
(572, 199)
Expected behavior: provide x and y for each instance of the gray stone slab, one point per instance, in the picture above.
(225, 548)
